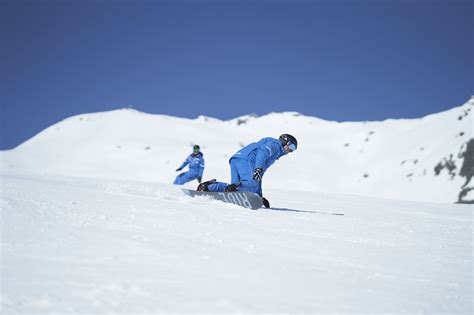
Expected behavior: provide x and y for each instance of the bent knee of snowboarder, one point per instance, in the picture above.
(183, 178)
(250, 185)
(179, 181)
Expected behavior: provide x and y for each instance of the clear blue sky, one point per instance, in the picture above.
(337, 60)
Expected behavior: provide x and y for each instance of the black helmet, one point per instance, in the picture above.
(196, 148)
(285, 138)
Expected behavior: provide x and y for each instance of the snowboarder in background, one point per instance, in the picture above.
(250, 163)
(196, 167)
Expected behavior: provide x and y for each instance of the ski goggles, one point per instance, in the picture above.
(291, 146)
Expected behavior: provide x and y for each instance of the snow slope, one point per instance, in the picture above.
(90, 223)
(391, 159)
(82, 245)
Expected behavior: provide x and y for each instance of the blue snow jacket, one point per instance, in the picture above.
(261, 154)
(196, 163)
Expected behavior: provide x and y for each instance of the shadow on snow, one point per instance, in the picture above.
(303, 211)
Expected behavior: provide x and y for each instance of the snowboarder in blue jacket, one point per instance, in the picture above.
(250, 163)
(196, 167)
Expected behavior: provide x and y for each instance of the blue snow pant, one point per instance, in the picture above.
(183, 178)
(241, 171)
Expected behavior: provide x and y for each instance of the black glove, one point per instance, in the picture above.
(199, 179)
(258, 174)
(179, 169)
(266, 203)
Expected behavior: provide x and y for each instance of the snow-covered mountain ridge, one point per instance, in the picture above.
(391, 159)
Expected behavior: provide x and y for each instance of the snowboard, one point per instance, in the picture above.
(244, 199)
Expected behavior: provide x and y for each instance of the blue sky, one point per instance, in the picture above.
(338, 60)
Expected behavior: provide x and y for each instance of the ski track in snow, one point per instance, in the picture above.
(93, 246)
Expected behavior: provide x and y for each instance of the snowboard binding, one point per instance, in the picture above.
(232, 187)
(203, 186)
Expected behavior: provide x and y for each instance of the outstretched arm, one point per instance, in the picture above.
(182, 165)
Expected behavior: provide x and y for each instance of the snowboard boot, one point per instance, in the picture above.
(203, 186)
(231, 187)
(266, 203)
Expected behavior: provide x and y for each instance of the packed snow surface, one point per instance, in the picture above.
(88, 245)
(363, 219)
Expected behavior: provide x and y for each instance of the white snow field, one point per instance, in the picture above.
(390, 159)
(91, 224)
(78, 245)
